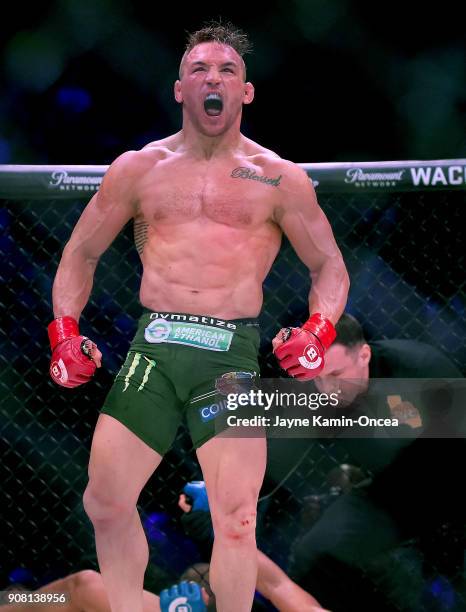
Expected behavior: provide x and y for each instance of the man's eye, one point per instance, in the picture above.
(197, 69)
(227, 70)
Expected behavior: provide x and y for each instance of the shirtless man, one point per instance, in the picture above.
(209, 207)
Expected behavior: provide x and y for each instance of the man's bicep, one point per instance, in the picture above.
(97, 227)
(104, 217)
(307, 228)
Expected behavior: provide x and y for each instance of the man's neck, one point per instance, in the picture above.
(208, 147)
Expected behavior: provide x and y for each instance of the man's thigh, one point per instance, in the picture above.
(144, 400)
(120, 463)
(233, 470)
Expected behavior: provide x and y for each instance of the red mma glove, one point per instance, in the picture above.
(73, 355)
(301, 352)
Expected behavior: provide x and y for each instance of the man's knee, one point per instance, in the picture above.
(236, 524)
(84, 580)
(86, 589)
(103, 507)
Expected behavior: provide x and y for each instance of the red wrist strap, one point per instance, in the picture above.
(322, 328)
(62, 328)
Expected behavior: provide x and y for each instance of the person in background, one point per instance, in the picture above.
(410, 491)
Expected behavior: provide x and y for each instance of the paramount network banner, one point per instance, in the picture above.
(66, 182)
(388, 176)
(57, 182)
(349, 408)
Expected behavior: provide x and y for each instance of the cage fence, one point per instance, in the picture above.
(404, 248)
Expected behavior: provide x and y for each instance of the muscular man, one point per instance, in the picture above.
(209, 207)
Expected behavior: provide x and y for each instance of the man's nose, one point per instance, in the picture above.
(328, 384)
(213, 76)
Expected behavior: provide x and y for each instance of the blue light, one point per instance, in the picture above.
(5, 151)
(154, 524)
(73, 99)
(442, 590)
(20, 575)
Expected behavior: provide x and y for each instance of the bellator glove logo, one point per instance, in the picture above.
(180, 604)
(310, 358)
(58, 371)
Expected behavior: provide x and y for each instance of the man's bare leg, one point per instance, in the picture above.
(89, 594)
(119, 467)
(233, 470)
(277, 587)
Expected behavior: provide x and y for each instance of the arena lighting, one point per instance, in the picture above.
(154, 525)
(73, 99)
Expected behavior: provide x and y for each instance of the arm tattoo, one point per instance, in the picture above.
(140, 235)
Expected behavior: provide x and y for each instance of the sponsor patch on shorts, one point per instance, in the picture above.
(211, 411)
(189, 334)
(235, 382)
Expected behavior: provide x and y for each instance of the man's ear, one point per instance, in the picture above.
(248, 93)
(177, 92)
(365, 354)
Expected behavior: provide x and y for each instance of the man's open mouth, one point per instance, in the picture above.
(213, 104)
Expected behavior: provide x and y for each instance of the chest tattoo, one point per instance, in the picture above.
(244, 172)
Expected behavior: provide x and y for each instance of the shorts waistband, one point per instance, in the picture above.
(184, 317)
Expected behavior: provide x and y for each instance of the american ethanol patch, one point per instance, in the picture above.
(189, 334)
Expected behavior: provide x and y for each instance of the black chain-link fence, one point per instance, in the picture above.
(405, 255)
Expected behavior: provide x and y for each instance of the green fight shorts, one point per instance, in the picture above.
(181, 366)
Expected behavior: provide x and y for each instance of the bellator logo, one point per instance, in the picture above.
(59, 371)
(310, 358)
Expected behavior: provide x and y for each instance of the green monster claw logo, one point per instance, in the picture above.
(132, 369)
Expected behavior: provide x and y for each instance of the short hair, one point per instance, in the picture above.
(199, 572)
(349, 331)
(222, 33)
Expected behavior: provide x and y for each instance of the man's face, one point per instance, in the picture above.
(346, 372)
(212, 87)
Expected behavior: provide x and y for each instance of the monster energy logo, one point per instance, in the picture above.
(132, 369)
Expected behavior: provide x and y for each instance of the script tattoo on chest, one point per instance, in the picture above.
(244, 172)
(140, 235)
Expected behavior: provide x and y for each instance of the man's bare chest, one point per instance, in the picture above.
(183, 194)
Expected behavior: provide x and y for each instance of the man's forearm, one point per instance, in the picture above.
(278, 588)
(73, 284)
(329, 290)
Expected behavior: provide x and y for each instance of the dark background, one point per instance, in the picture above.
(83, 81)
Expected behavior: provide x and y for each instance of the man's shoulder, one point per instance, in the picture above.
(396, 343)
(134, 163)
(162, 147)
(271, 161)
(403, 345)
(411, 357)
